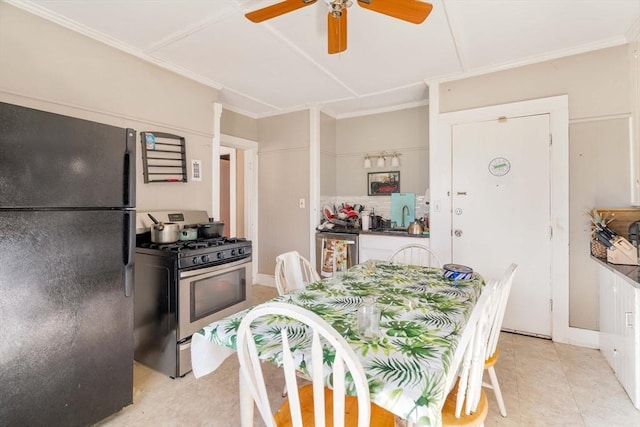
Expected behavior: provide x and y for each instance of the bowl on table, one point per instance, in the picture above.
(457, 272)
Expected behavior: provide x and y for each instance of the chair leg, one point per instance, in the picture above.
(496, 389)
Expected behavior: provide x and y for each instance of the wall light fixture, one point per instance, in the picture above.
(367, 162)
(381, 159)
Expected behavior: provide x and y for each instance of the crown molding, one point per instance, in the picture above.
(535, 59)
(110, 41)
(380, 110)
(633, 33)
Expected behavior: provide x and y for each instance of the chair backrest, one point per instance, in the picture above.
(415, 254)
(468, 361)
(320, 333)
(293, 271)
(499, 307)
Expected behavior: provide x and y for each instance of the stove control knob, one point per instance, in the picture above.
(196, 260)
(205, 258)
(233, 252)
(240, 251)
(220, 255)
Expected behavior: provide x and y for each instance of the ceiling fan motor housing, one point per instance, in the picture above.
(336, 6)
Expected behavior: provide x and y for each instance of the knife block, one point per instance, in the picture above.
(622, 252)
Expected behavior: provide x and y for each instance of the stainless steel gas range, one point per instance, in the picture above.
(183, 286)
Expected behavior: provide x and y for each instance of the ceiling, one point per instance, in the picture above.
(282, 64)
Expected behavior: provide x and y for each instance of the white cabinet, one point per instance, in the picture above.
(378, 247)
(620, 330)
(608, 309)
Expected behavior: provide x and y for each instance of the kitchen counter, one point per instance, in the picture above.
(379, 232)
(629, 272)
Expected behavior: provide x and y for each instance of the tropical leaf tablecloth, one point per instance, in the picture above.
(423, 315)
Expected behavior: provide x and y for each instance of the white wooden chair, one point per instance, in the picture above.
(293, 271)
(415, 254)
(492, 352)
(312, 403)
(466, 403)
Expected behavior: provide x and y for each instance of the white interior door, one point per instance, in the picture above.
(501, 211)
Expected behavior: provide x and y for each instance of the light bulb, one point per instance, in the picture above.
(380, 162)
(367, 163)
(395, 161)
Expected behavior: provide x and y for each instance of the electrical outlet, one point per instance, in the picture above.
(301, 203)
(196, 170)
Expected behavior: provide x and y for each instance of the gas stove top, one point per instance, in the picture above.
(182, 246)
(201, 252)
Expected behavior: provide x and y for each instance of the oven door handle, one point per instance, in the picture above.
(215, 269)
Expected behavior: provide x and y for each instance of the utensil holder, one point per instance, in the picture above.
(598, 250)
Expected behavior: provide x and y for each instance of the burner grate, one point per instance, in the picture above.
(192, 244)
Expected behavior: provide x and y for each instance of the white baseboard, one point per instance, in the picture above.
(584, 338)
(264, 279)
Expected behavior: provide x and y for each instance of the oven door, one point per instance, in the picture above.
(209, 294)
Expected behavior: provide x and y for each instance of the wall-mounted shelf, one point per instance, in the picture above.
(164, 157)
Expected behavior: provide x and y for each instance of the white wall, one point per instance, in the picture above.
(328, 157)
(597, 84)
(283, 177)
(48, 67)
(404, 131)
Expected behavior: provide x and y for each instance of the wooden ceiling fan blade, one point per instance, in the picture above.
(277, 9)
(337, 32)
(413, 11)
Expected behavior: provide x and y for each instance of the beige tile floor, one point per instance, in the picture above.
(543, 384)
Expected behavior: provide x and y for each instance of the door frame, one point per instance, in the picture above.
(250, 189)
(231, 152)
(440, 167)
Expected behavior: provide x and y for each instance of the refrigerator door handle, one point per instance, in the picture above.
(130, 170)
(128, 248)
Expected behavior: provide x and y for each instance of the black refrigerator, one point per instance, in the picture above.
(67, 243)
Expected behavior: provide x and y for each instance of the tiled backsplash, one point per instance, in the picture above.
(380, 204)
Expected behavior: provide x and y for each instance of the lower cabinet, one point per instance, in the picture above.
(620, 330)
(377, 247)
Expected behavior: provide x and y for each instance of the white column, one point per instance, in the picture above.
(215, 162)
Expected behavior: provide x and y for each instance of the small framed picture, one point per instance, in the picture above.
(383, 183)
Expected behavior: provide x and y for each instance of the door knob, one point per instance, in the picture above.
(457, 233)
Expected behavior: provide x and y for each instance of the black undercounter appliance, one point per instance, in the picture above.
(183, 284)
(67, 193)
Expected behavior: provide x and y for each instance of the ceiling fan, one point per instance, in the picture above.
(414, 11)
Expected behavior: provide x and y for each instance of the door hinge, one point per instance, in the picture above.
(550, 139)
(550, 232)
(551, 305)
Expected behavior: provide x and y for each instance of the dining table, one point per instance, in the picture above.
(422, 316)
